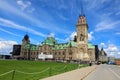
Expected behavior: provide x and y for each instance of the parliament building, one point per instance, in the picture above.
(74, 50)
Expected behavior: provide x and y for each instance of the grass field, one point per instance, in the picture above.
(32, 70)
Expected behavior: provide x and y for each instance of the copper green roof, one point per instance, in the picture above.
(64, 45)
(31, 46)
(72, 44)
(50, 41)
(91, 46)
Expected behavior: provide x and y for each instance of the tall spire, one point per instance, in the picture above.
(81, 11)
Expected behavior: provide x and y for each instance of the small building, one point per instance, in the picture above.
(16, 51)
(97, 52)
(103, 56)
(117, 61)
(5, 56)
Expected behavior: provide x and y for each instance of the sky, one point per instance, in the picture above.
(58, 18)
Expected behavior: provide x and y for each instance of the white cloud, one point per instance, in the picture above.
(102, 44)
(73, 34)
(10, 24)
(51, 35)
(71, 37)
(25, 5)
(119, 53)
(90, 36)
(95, 4)
(118, 33)
(9, 8)
(111, 49)
(6, 46)
(106, 25)
(8, 32)
(62, 17)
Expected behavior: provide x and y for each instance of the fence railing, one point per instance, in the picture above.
(50, 70)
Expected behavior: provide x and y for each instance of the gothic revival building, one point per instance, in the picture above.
(77, 49)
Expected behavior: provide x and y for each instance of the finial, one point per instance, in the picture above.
(81, 11)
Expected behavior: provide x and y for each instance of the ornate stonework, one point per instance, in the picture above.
(78, 49)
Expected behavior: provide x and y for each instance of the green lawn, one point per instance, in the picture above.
(47, 68)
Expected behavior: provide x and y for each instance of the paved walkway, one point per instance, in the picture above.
(78, 74)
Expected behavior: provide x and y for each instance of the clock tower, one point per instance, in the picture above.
(82, 38)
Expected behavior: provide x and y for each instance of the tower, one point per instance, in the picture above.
(82, 37)
(24, 42)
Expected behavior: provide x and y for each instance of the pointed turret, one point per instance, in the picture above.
(103, 52)
(25, 39)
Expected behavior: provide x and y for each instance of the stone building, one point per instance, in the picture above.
(77, 49)
(16, 51)
(102, 56)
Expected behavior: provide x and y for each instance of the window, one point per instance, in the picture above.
(81, 37)
(59, 53)
(63, 53)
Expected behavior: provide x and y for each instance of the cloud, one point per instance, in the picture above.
(6, 46)
(51, 35)
(95, 4)
(118, 33)
(71, 37)
(25, 5)
(90, 36)
(119, 53)
(8, 32)
(111, 49)
(10, 24)
(37, 22)
(118, 13)
(73, 34)
(102, 44)
(63, 17)
(106, 25)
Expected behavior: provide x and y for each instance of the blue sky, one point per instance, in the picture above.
(58, 18)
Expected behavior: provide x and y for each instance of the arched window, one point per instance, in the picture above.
(81, 37)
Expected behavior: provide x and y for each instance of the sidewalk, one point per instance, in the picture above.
(78, 74)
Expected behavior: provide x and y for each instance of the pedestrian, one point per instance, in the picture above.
(90, 63)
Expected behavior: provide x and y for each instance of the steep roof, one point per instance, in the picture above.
(49, 41)
(64, 45)
(26, 37)
(102, 52)
(31, 46)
